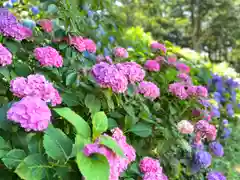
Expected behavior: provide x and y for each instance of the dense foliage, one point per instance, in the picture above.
(72, 108)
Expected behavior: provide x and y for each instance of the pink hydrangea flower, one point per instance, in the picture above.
(185, 127)
(120, 52)
(183, 68)
(5, 56)
(108, 76)
(148, 164)
(132, 71)
(154, 176)
(172, 59)
(48, 56)
(159, 59)
(77, 42)
(202, 91)
(101, 58)
(185, 78)
(178, 90)
(37, 86)
(205, 129)
(152, 65)
(90, 45)
(46, 25)
(191, 90)
(149, 90)
(158, 46)
(31, 113)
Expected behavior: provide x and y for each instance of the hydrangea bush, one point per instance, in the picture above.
(74, 109)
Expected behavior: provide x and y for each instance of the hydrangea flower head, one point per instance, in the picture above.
(202, 91)
(148, 164)
(226, 133)
(5, 56)
(77, 42)
(185, 78)
(206, 130)
(216, 148)
(183, 68)
(149, 90)
(172, 59)
(158, 46)
(191, 90)
(185, 127)
(154, 176)
(31, 113)
(133, 71)
(159, 59)
(108, 76)
(48, 56)
(201, 159)
(214, 175)
(46, 25)
(120, 52)
(90, 45)
(178, 89)
(152, 65)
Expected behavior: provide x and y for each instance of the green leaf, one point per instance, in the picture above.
(100, 124)
(130, 110)
(5, 72)
(93, 168)
(112, 123)
(33, 167)
(4, 147)
(4, 123)
(22, 69)
(92, 103)
(141, 129)
(130, 121)
(57, 145)
(70, 99)
(171, 74)
(111, 144)
(71, 78)
(34, 143)
(79, 123)
(13, 158)
(13, 46)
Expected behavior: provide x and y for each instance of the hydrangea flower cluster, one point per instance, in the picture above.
(48, 56)
(216, 148)
(46, 25)
(151, 169)
(10, 27)
(5, 56)
(101, 58)
(35, 86)
(149, 90)
(120, 52)
(206, 130)
(201, 159)
(183, 68)
(156, 46)
(152, 65)
(214, 175)
(117, 164)
(31, 113)
(185, 127)
(82, 44)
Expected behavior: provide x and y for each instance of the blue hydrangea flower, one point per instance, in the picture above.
(111, 39)
(35, 10)
(201, 159)
(216, 148)
(214, 175)
(230, 110)
(226, 133)
(90, 13)
(14, 1)
(225, 122)
(215, 112)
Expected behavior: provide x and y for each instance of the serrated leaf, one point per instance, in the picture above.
(92, 103)
(93, 168)
(111, 144)
(33, 167)
(13, 158)
(56, 144)
(141, 129)
(79, 123)
(100, 124)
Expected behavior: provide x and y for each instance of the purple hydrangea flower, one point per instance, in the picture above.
(226, 133)
(214, 175)
(225, 122)
(201, 159)
(215, 112)
(216, 148)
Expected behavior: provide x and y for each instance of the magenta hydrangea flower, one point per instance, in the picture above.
(31, 113)
(149, 90)
(77, 42)
(46, 25)
(48, 56)
(202, 91)
(37, 86)
(172, 59)
(185, 78)
(5, 56)
(214, 175)
(183, 68)
(133, 71)
(191, 90)
(178, 89)
(120, 52)
(108, 76)
(158, 46)
(90, 45)
(148, 164)
(152, 65)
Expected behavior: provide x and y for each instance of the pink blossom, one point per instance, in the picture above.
(148, 164)
(46, 25)
(120, 52)
(77, 42)
(205, 129)
(5, 56)
(183, 68)
(48, 56)
(158, 46)
(172, 59)
(185, 78)
(90, 45)
(185, 127)
(159, 59)
(37, 86)
(202, 91)
(132, 71)
(191, 90)
(178, 90)
(149, 90)
(31, 112)
(152, 65)
(101, 58)
(154, 176)
(108, 76)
